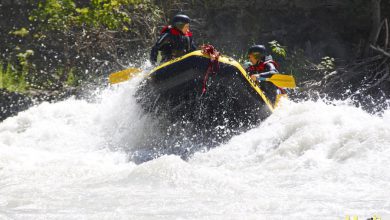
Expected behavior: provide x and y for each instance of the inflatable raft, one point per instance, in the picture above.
(182, 90)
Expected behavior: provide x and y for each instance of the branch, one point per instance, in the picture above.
(387, 33)
(379, 81)
(384, 25)
(380, 50)
(378, 31)
(375, 24)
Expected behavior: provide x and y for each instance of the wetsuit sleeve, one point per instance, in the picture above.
(270, 69)
(161, 43)
(193, 45)
(153, 54)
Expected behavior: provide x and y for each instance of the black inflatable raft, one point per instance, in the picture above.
(176, 91)
(194, 113)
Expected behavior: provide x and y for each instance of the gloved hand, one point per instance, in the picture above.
(257, 77)
(254, 77)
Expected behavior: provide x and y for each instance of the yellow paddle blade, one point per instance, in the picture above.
(123, 75)
(284, 81)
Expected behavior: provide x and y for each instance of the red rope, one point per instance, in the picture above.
(213, 67)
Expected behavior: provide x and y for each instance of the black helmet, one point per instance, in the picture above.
(258, 49)
(179, 18)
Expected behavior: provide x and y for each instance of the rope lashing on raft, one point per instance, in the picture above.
(213, 67)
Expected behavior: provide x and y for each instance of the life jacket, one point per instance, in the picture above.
(174, 31)
(180, 43)
(260, 67)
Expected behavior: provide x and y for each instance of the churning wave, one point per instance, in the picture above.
(309, 159)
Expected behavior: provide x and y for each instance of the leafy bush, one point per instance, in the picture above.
(90, 35)
(64, 14)
(22, 32)
(277, 49)
(327, 64)
(11, 79)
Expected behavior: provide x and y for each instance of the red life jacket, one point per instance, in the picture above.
(260, 67)
(174, 31)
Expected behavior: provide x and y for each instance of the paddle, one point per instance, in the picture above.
(123, 75)
(280, 80)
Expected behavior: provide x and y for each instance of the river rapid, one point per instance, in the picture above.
(308, 160)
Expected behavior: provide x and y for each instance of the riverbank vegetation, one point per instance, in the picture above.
(54, 45)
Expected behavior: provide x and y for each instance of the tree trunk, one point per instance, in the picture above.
(376, 21)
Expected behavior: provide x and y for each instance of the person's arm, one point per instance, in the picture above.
(162, 42)
(270, 70)
(193, 45)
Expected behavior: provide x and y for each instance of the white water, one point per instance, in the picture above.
(309, 160)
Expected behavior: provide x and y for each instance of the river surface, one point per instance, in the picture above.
(308, 160)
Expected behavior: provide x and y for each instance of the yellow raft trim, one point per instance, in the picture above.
(230, 61)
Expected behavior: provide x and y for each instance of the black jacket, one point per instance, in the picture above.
(172, 43)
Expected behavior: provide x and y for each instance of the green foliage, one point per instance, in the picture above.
(77, 30)
(327, 64)
(23, 58)
(57, 14)
(71, 80)
(23, 32)
(64, 14)
(277, 48)
(11, 79)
